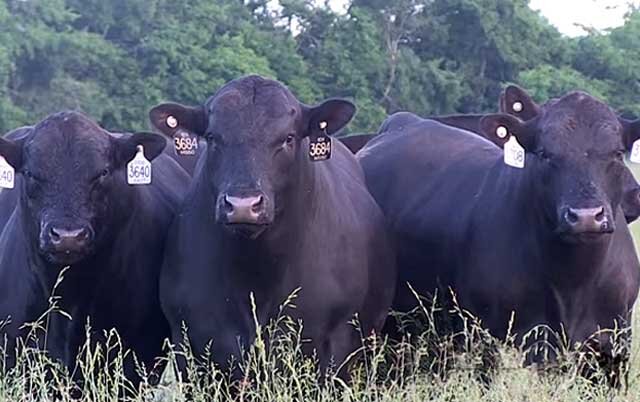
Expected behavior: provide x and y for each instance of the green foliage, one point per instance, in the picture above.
(114, 59)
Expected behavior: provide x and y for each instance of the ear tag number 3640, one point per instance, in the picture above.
(7, 174)
(139, 169)
(514, 153)
(320, 146)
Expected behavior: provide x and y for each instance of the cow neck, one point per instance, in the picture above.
(566, 264)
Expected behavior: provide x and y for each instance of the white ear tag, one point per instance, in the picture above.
(7, 174)
(513, 153)
(517, 107)
(172, 122)
(635, 152)
(139, 169)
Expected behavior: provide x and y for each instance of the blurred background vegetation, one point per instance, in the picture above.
(114, 59)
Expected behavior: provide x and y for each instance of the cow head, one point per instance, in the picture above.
(576, 146)
(255, 131)
(517, 102)
(73, 177)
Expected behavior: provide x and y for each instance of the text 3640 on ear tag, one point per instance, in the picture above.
(320, 148)
(139, 169)
(7, 174)
(635, 152)
(185, 143)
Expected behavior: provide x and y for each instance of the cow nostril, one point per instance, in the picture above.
(600, 215)
(226, 204)
(53, 233)
(257, 205)
(83, 234)
(571, 216)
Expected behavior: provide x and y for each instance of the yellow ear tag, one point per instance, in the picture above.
(320, 146)
(139, 169)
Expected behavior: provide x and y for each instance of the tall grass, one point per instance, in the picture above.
(429, 367)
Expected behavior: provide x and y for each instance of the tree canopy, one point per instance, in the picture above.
(114, 59)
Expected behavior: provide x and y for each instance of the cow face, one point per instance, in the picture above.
(575, 145)
(73, 174)
(255, 130)
(517, 102)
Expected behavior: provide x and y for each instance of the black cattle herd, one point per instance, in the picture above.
(254, 197)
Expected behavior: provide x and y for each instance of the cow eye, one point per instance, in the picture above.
(103, 174)
(290, 139)
(543, 154)
(29, 175)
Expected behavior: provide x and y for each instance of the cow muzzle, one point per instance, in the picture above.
(246, 213)
(66, 244)
(589, 221)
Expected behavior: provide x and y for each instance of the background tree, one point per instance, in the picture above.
(114, 59)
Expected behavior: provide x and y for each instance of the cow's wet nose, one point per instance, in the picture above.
(587, 220)
(72, 240)
(243, 209)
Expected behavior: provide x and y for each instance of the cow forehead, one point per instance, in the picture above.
(581, 121)
(66, 141)
(263, 106)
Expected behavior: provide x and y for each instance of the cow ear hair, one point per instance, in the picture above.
(11, 151)
(498, 128)
(127, 146)
(331, 115)
(172, 118)
(517, 102)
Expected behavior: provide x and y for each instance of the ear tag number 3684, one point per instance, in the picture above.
(513, 153)
(139, 169)
(7, 174)
(320, 146)
(635, 152)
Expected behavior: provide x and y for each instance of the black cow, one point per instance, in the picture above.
(75, 208)
(261, 217)
(515, 101)
(548, 242)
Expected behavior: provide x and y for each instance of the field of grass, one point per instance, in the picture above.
(279, 372)
(407, 372)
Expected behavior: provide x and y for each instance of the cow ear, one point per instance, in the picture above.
(498, 128)
(630, 132)
(171, 118)
(127, 146)
(11, 151)
(517, 102)
(630, 196)
(331, 115)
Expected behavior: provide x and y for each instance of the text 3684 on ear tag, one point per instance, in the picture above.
(7, 174)
(139, 169)
(320, 148)
(185, 143)
(635, 152)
